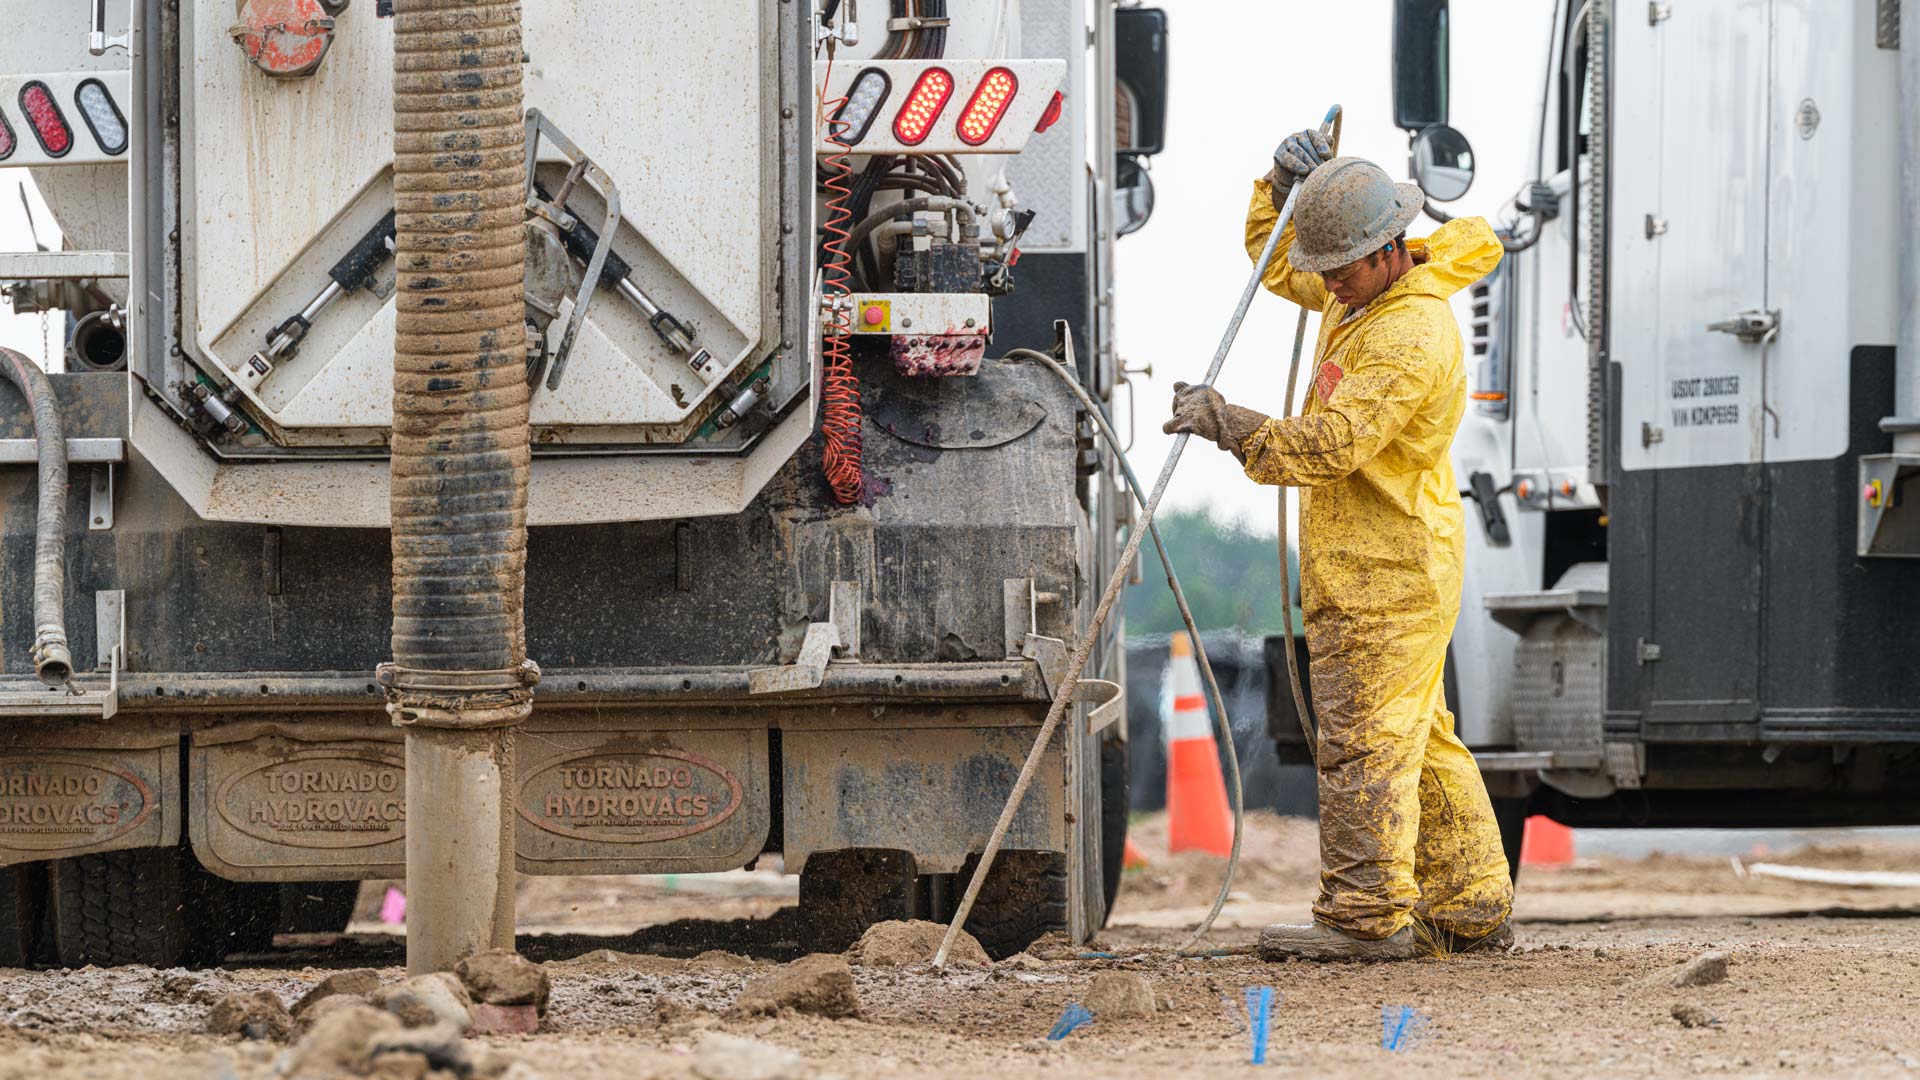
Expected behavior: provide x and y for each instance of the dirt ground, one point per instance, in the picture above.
(1822, 980)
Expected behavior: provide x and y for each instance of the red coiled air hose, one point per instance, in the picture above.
(840, 388)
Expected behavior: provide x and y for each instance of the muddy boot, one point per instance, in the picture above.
(1316, 941)
(1500, 940)
(1448, 943)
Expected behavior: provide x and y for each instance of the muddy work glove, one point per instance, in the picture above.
(1297, 155)
(1201, 411)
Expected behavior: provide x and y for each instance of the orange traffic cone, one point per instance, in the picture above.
(1546, 843)
(1133, 858)
(1197, 814)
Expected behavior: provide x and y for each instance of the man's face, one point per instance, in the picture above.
(1358, 283)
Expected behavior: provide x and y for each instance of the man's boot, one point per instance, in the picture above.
(1317, 941)
(1500, 940)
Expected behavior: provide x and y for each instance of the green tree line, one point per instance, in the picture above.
(1231, 575)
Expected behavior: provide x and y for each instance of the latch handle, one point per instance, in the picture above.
(1749, 326)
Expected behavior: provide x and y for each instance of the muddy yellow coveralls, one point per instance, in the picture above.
(1406, 829)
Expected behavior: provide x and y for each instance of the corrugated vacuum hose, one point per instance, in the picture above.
(460, 678)
(51, 659)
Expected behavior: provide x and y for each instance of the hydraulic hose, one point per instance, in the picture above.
(1280, 512)
(858, 234)
(460, 677)
(52, 661)
(1221, 720)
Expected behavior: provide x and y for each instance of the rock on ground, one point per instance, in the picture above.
(1694, 1016)
(719, 1056)
(337, 1044)
(438, 1045)
(1703, 970)
(505, 1019)
(504, 977)
(357, 982)
(720, 958)
(1117, 995)
(306, 1018)
(256, 1015)
(900, 943)
(819, 984)
(424, 1000)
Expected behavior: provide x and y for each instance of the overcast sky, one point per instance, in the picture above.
(1244, 74)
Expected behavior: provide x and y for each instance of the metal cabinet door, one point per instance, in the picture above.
(1690, 164)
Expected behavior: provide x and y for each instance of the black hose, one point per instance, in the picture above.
(859, 233)
(52, 661)
(1098, 415)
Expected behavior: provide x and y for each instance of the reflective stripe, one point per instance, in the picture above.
(1189, 724)
(1186, 702)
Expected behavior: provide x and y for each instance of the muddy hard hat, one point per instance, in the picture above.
(1347, 209)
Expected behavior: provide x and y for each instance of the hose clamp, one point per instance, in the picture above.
(462, 700)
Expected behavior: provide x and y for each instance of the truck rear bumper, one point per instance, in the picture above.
(301, 776)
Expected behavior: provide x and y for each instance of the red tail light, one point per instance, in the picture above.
(43, 114)
(6, 138)
(987, 105)
(1051, 114)
(923, 106)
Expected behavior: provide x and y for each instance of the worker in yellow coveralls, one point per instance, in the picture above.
(1409, 849)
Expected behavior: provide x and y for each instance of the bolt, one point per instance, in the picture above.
(906, 322)
(786, 112)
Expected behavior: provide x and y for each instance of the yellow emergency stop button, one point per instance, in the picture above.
(874, 317)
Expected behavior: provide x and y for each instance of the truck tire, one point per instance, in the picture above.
(1116, 797)
(1024, 897)
(120, 907)
(20, 904)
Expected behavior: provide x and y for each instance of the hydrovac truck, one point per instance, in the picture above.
(558, 438)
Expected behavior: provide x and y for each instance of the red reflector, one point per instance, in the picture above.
(44, 117)
(987, 105)
(6, 138)
(1051, 114)
(923, 106)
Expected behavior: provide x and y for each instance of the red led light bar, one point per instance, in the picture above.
(987, 105)
(43, 114)
(923, 106)
(7, 141)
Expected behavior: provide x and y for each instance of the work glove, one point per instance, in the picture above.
(1201, 411)
(1297, 155)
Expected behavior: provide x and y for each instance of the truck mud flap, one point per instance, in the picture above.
(931, 781)
(641, 791)
(300, 800)
(84, 789)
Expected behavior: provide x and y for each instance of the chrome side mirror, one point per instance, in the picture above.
(1442, 163)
